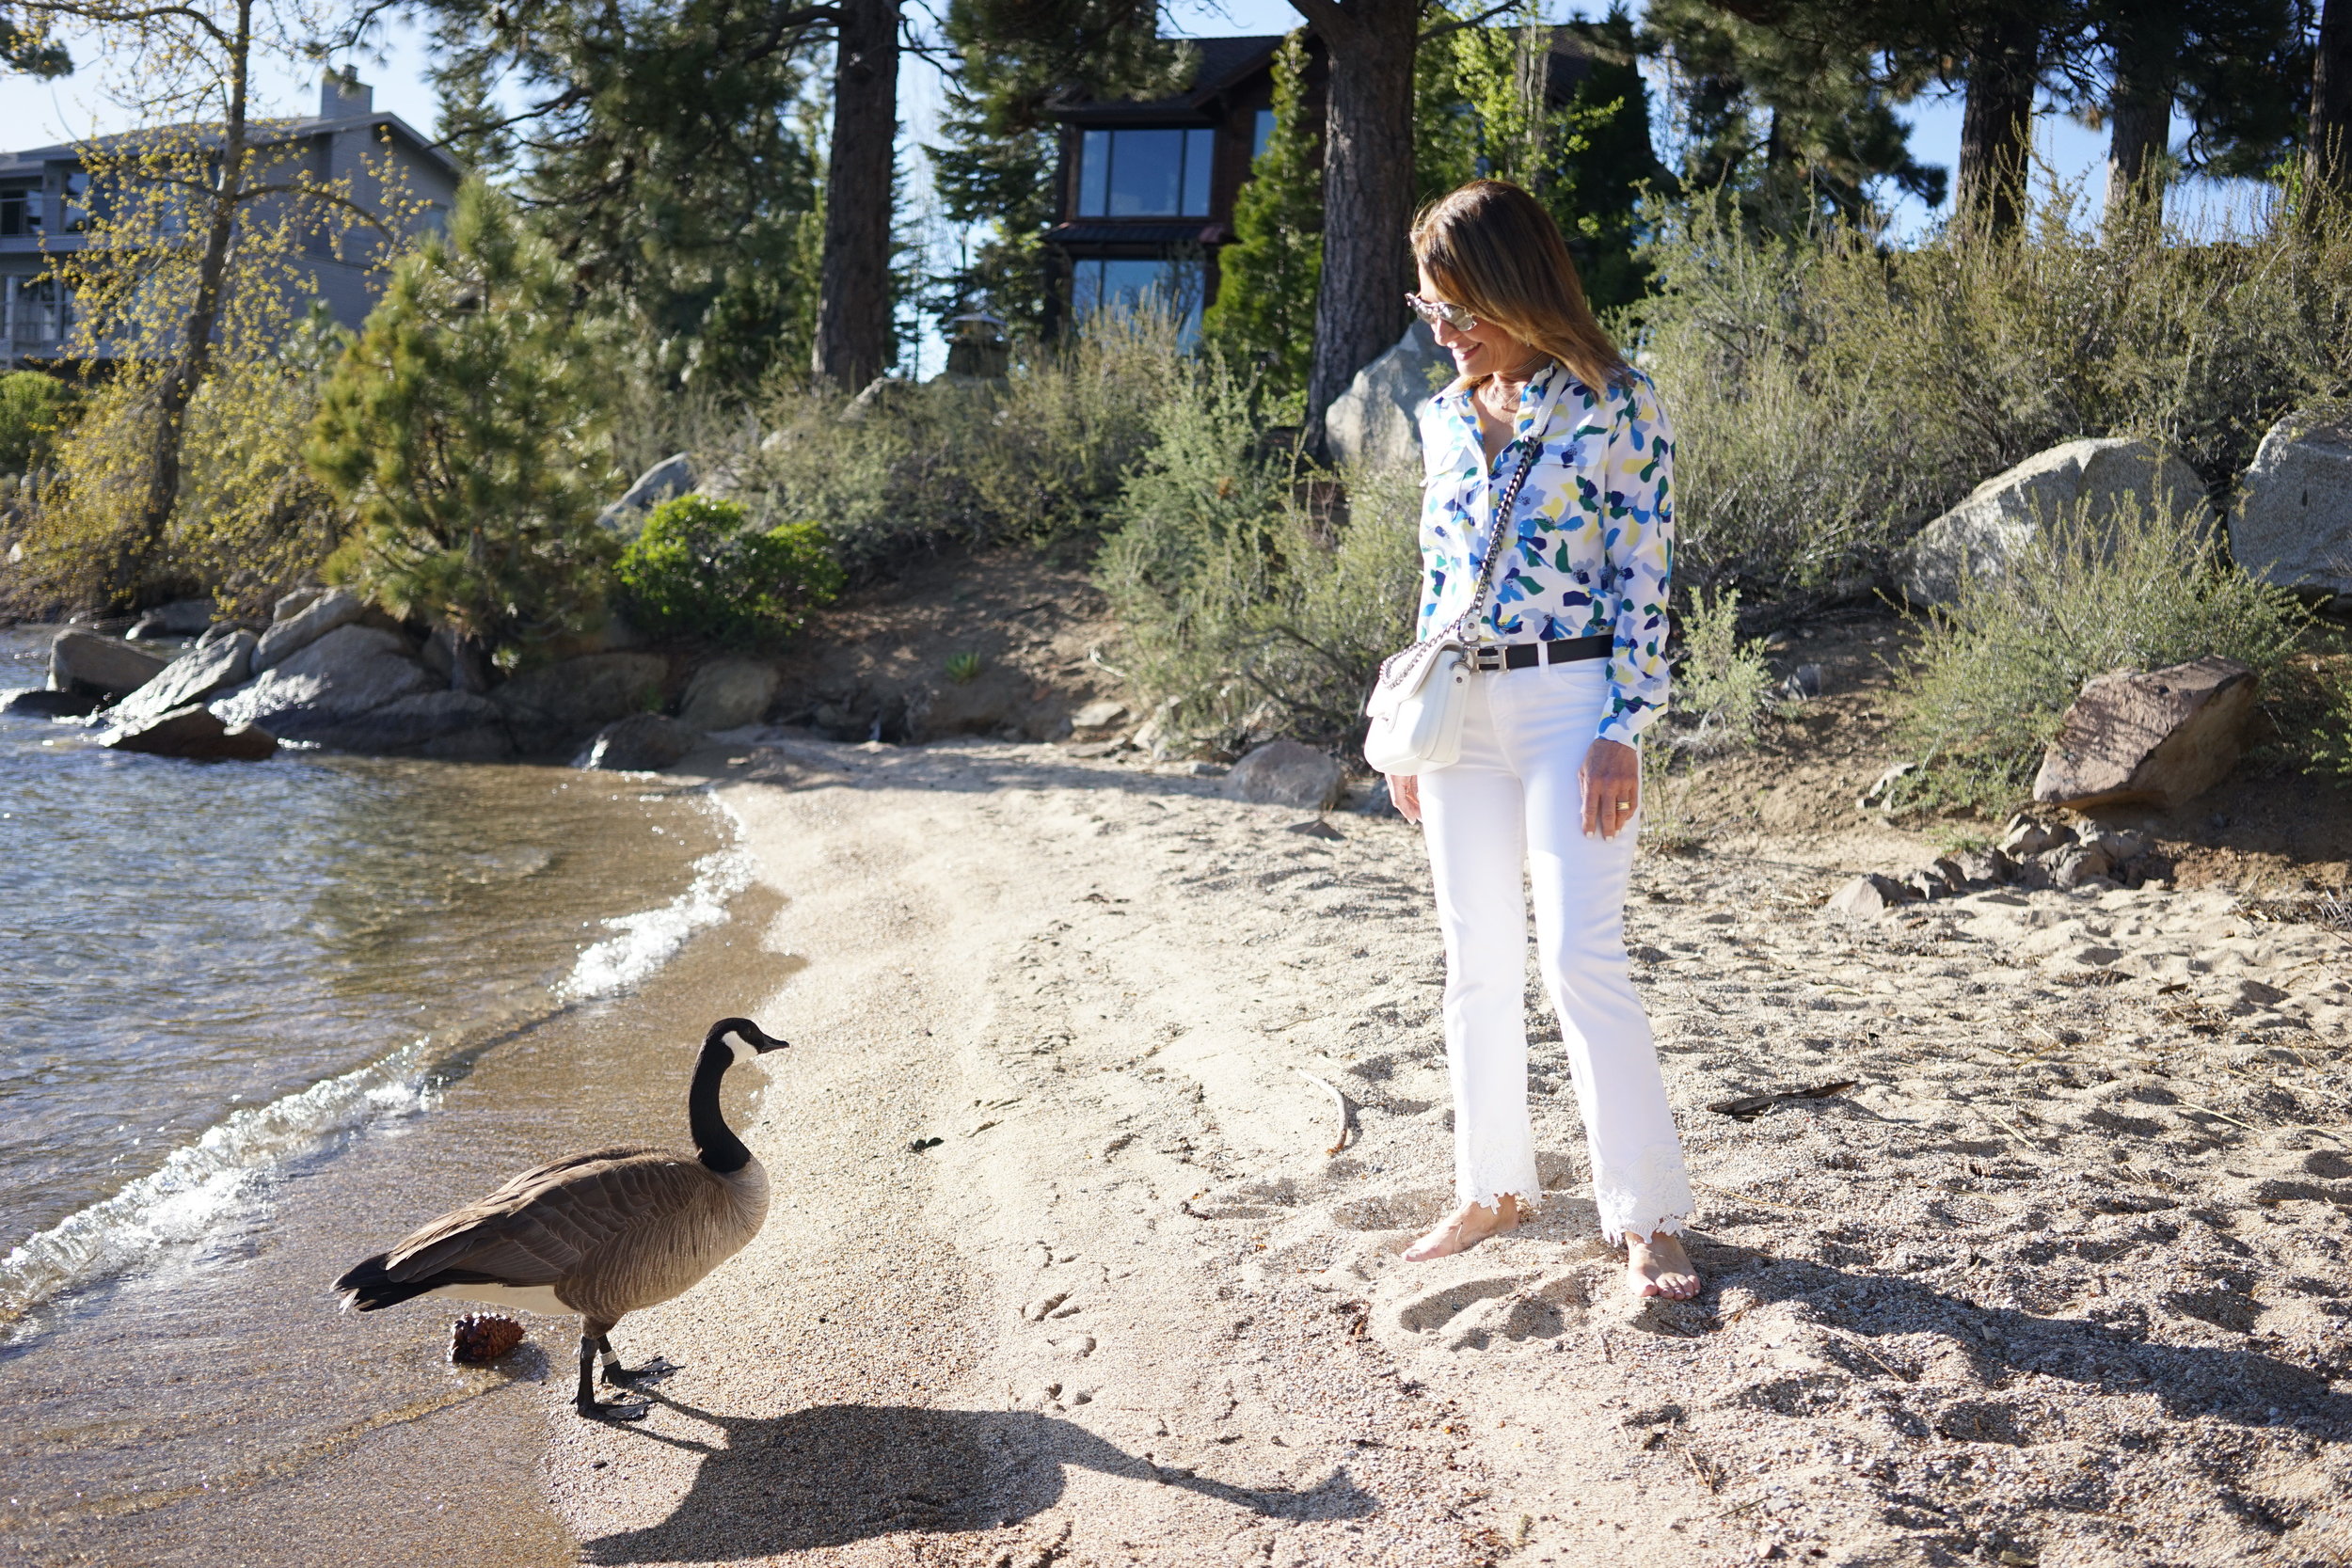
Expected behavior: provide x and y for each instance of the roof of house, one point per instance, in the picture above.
(266, 133)
(1220, 64)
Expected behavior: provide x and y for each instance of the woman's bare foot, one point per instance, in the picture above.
(1658, 1267)
(1467, 1226)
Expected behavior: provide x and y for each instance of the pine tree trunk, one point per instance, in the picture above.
(1996, 126)
(2328, 152)
(853, 278)
(177, 389)
(1367, 190)
(2139, 112)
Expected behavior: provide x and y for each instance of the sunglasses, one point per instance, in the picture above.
(1436, 310)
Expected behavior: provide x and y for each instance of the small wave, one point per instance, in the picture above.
(185, 1199)
(641, 944)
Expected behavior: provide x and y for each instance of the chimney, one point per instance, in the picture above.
(341, 94)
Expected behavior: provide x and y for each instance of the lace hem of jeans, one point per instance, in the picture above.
(1650, 1194)
(1528, 1202)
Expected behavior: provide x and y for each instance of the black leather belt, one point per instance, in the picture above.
(1526, 656)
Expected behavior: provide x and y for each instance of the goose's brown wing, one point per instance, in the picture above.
(545, 1224)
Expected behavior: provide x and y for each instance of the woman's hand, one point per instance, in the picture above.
(1612, 776)
(1405, 795)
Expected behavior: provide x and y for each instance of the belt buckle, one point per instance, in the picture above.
(1487, 658)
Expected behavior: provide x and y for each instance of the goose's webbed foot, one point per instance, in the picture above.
(598, 1410)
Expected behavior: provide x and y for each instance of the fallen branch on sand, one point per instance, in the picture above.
(1347, 1118)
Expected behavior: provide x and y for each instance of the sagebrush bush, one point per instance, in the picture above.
(1252, 602)
(1994, 673)
(1723, 688)
(1036, 459)
(1830, 395)
(697, 569)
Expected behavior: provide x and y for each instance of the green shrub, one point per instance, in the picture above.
(1035, 460)
(697, 570)
(1721, 685)
(1830, 395)
(1251, 603)
(32, 405)
(1994, 673)
(466, 424)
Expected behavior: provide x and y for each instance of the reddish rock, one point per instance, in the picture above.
(2158, 739)
(194, 731)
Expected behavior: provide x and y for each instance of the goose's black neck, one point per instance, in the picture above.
(714, 1140)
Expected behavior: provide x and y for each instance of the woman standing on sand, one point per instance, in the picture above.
(1572, 669)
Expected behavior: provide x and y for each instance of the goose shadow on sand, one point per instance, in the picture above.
(838, 1473)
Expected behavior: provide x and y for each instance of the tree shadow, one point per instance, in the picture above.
(2243, 1387)
(834, 1474)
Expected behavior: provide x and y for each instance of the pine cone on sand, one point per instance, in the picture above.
(479, 1338)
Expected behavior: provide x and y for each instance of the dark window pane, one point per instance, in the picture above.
(1094, 172)
(1147, 171)
(1085, 289)
(1262, 134)
(1199, 157)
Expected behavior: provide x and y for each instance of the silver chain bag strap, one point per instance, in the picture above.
(1418, 698)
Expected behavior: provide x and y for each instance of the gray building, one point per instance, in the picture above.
(45, 204)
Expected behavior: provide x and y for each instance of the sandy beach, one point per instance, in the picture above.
(2058, 1277)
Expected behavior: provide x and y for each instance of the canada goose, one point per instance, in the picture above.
(601, 1234)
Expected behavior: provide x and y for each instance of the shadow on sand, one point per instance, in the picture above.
(834, 1474)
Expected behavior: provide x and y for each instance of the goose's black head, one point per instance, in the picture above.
(742, 1037)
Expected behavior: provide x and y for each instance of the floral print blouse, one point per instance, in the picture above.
(1594, 550)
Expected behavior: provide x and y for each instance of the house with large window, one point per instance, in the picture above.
(1147, 189)
(46, 206)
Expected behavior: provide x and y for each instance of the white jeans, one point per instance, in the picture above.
(1514, 799)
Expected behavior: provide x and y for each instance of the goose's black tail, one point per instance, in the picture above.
(366, 1288)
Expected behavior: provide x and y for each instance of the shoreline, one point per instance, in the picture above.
(1129, 1310)
(191, 1393)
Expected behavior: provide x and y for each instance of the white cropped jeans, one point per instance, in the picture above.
(1514, 799)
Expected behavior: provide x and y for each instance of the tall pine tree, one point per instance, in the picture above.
(1263, 317)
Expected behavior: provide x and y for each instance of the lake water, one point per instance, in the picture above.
(257, 1020)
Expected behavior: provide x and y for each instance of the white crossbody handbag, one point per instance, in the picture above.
(1418, 698)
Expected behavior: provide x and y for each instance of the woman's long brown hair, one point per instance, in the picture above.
(1495, 251)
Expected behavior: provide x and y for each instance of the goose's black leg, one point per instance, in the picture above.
(656, 1368)
(592, 1338)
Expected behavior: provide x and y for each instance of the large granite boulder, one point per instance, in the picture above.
(727, 694)
(672, 476)
(1376, 421)
(84, 661)
(2293, 525)
(453, 726)
(321, 692)
(555, 703)
(1284, 773)
(2089, 479)
(641, 743)
(329, 610)
(194, 676)
(194, 731)
(2159, 739)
